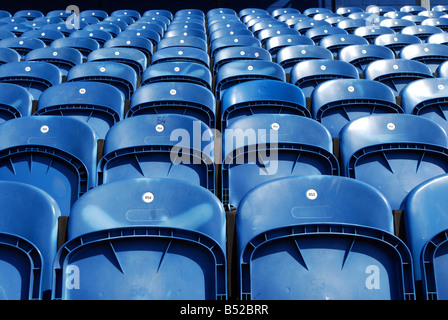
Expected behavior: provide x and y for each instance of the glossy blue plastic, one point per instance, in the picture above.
(240, 71)
(320, 238)
(173, 54)
(369, 33)
(120, 75)
(361, 55)
(440, 38)
(64, 58)
(335, 42)
(28, 237)
(427, 98)
(421, 31)
(317, 33)
(261, 96)
(100, 105)
(35, 76)
(159, 146)
(393, 152)
(185, 98)
(84, 45)
(56, 154)
(15, 102)
(307, 24)
(230, 54)
(22, 45)
(107, 26)
(222, 29)
(277, 42)
(308, 74)
(351, 24)
(397, 41)
(139, 43)
(132, 57)
(335, 103)
(425, 225)
(47, 36)
(178, 71)
(162, 239)
(101, 36)
(397, 73)
(264, 147)
(431, 54)
(233, 41)
(151, 35)
(289, 56)
(396, 24)
(265, 34)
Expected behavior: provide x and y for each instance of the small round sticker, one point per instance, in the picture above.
(311, 194)
(82, 91)
(173, 92)
(148, 197)
(44, 129)
(160, 128)
(391, 126)
(275, 126)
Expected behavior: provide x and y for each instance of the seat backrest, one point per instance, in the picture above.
(173, 54)
(161, 146)
(84, 45)
(64, 58)
(310, 73)
(174, 97)
(370, 33)
(289, 56)
(397, 73)
(337, 102)
(233, 41)
(8, 55)
(393, 152)
(28, 233)
(335, 42)
(261, 96)
(130, 56)
(98, 104)
(262, 147)
(35, 76)
(425, 224)
(178, 71)
(120, 75)
(246, 70)
(431, 54)
(56, 154)
(361, 55)
(397, 41)
(169, 236)
(15, 102)
(311, 219)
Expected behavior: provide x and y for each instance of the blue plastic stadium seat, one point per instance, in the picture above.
(441, 38)
(151, 35)
(263, 147)
(134, 14)
(61, 27)
(100, 14)
(84, 45)
(412, 9)
(35, 76)
(129, 56)
(441, 22)
(64, 58)
(8, 55)
(188, 54)
(185, 98)
(310, 73)
(305, 25)
(261, 96)
(425, 227)
(246, 70)
(427, 98)
(370, 33)
(120, 75)
(4, 34)
(139, 43)
(159, 146)
(56, 154)
(265, 34)
(361, 55)
(311, 12)
(337, 102)
(233, 41)
(168, 241)
(431, 54)
(22, 45)
(186, 33)
(28, 237)
(351, 24)
(230, 54)
(320, 238)
(178, 71)
(15, 102)
(275, 43)
(183, 41)
(397, 73)
(18, 28)
(100, 105)
(421, 31)
(47, 36)
(317, 33)
(336, 42)
(289, 56)
(396, 42)
(101, 36)
(393, 152)
(108, 26)
(396, 24)
(227, 29)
